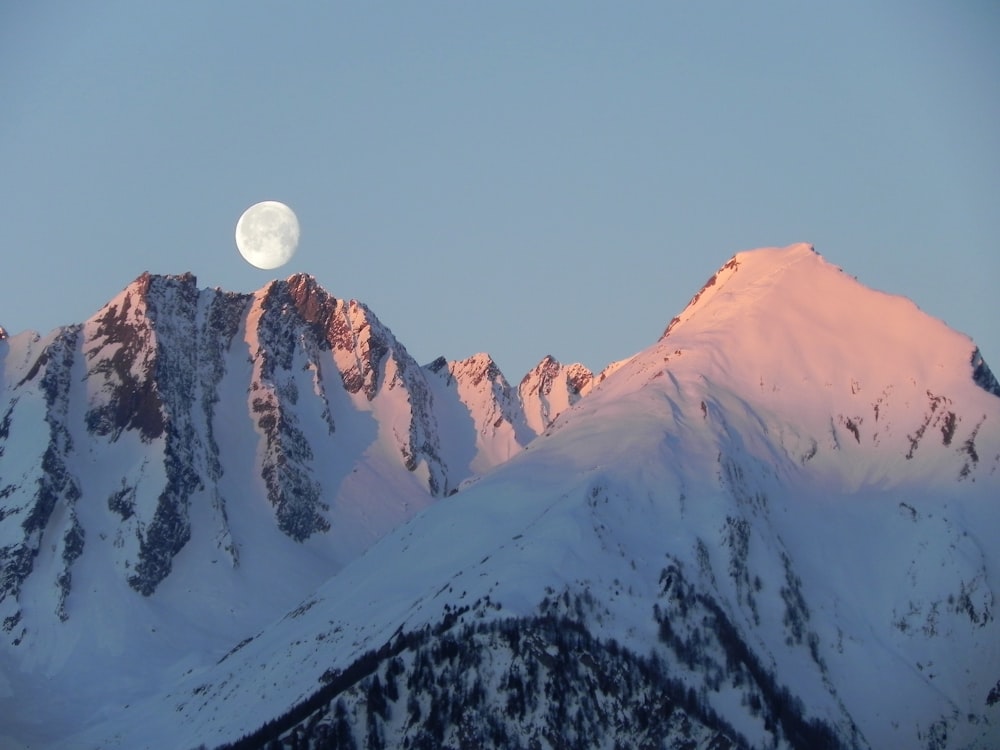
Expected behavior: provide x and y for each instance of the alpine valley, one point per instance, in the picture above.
(254, 521)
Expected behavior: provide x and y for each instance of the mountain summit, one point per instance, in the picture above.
(769, 528)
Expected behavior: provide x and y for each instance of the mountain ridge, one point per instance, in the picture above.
(683, 512)
(164, 367)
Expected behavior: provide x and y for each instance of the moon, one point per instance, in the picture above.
(267, 234)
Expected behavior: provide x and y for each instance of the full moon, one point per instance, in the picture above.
(267, 234)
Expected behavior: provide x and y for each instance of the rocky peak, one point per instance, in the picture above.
(346, 326)
(298, 318)
(551, 388)
(541, 376)
(317, 307)
(476, 369)
(550, 373)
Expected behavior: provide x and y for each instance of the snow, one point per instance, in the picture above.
(781, 406)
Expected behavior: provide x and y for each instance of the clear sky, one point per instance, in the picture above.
(521, 178)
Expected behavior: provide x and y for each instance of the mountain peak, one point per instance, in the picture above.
(551, 388)
(478, 367)
(305, 290)
(789, 312)
(756, 264)
(798, 341)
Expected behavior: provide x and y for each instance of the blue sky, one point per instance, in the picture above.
(521, 178)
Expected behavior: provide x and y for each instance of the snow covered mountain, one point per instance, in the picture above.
(205, 449)
(773, 527)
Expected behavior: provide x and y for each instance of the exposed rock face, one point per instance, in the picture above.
(30, 505)
(155, 386)
(551, 388)
(282, 336)
(120, 348)
(982, 375)
(153, 358)
(172, 312)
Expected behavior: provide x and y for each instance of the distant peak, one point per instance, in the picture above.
(545, 369)
(476, 369)
(480, 362)
(547, 362)
(578, 377)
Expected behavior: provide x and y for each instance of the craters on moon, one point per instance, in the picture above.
(267, 234)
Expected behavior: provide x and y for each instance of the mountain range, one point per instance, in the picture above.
(253, 520)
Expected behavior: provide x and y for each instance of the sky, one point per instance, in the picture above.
(519, 178)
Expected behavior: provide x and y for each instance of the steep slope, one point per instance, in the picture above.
(779, 516)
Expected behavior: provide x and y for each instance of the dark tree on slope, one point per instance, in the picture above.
(534, 682)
